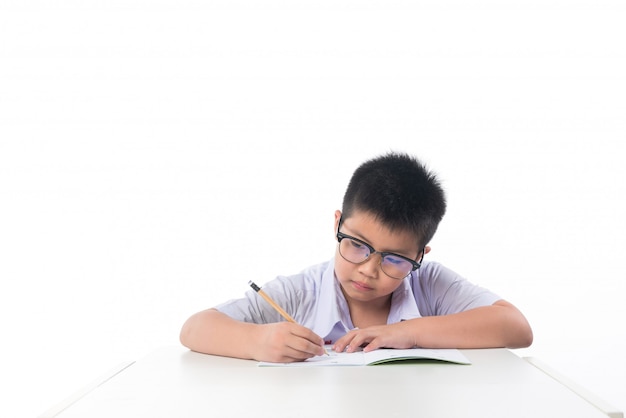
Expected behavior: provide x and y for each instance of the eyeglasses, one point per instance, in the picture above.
(393, 265)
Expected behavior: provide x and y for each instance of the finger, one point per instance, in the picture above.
(343, 342)
(361, 338)
(304, 348)
(289, 355)
(304, 332)
(350, 344)
(376, 343)
(307, 341)
(293, 354)
(295, 348)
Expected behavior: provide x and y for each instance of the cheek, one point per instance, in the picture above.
(391, 285)
(343, 269)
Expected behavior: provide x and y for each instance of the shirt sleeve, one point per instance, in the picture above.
(248, 309)
(295, 294)
(440, 291)
(253, 308)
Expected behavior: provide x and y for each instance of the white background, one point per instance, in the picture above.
(156, 155)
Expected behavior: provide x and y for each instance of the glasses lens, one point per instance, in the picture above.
(396, 267)
(353, 251)
(357, 252)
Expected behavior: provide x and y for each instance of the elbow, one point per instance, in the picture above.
(528, 337)
(194, 333)
(523, 336)
(190, 331)
(523, 339)
(184, 335)
(515, 329)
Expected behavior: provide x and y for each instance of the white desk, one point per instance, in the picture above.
(174, 382)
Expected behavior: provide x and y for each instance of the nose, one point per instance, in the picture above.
(370, 268)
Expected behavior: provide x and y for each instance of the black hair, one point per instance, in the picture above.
(400, 192)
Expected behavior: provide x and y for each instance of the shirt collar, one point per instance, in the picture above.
(403, 304)
(333, 309)
(327, 312)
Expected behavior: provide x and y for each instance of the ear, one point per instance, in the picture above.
(426, 250)
(337, 218)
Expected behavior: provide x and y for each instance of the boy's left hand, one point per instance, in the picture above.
(371, 338)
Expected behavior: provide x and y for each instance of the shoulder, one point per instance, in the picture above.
(432, 272)
(303, 293)
(433, 278)
(440, 290)
(296, 294)
(304, 284)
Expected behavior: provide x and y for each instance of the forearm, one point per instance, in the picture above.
(212, 332)
(498, 325)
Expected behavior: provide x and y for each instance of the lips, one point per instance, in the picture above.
(361, 286)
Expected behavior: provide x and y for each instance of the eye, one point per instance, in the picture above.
(395, 260)
(358, 246)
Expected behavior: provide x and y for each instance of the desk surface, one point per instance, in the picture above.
(174, 382)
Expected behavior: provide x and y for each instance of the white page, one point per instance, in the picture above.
(360, 358)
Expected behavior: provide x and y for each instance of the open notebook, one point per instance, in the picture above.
(379, 356)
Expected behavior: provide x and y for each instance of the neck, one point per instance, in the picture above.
(366, 314)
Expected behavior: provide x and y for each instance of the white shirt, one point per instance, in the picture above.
(314, 299)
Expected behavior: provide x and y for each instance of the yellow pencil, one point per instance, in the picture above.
(274, 305)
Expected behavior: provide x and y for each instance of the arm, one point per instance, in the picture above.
(498, 325)
(212, 332)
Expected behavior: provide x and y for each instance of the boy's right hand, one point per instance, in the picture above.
(286, 342)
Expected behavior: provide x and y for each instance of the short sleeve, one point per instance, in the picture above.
(297, 295)
(250, 308)
(440, 291)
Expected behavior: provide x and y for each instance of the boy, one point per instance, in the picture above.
(376, 292)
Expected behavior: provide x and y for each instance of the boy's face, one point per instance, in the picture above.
(366, 282)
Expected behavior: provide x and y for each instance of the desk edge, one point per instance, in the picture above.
(590, 397)
(63, 405)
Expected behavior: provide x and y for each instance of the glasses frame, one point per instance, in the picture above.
(414, 263)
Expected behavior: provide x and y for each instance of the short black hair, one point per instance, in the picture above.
(400, 192)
